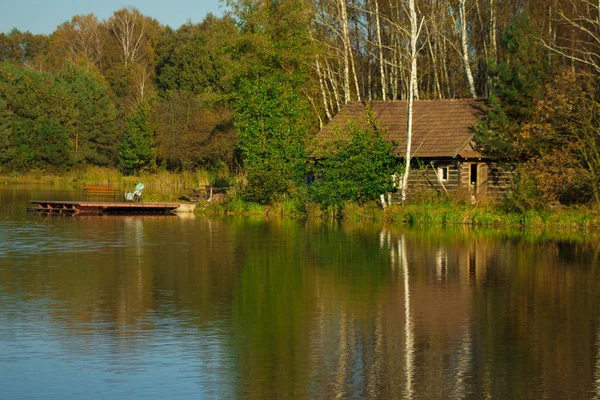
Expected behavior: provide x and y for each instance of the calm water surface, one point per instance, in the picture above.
(196, 308)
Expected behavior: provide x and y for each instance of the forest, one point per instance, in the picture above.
(247, 90)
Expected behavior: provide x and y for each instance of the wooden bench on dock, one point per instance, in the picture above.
(101, 191)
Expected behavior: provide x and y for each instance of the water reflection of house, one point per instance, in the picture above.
(427, 323)
(442, 142)
(415, 338)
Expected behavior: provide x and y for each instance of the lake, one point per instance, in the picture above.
(184, 307)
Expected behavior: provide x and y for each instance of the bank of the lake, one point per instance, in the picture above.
(441, 213)
(170, 186)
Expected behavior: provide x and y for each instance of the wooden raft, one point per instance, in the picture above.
(100, 208)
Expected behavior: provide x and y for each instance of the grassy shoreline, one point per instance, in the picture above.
(429, 213)
(421, 214)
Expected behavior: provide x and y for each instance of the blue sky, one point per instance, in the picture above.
(43, 16)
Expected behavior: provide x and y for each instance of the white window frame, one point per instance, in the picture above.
(441, 169)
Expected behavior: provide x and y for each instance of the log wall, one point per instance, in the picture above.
(494, 181)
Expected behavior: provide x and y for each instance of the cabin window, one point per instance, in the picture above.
(443, 173)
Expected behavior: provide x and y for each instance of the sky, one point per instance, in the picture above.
(43, 16)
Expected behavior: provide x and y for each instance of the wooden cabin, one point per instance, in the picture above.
(442, 143)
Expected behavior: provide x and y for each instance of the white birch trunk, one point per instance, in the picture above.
(381, 60)
(414, 37)
(480, 17)
(323, 92)
(356, 85)
(449, 84)
(333, 84)
(436, 78)
(346, 40)
(465, 47)
(493, 29)
(396, 70)
(414, 33)
(414, 76)
(369, 83)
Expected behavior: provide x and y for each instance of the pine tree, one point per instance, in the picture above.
(136, 152)
(95, 126)
(517, 81)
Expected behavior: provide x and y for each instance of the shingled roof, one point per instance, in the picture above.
(441, 128)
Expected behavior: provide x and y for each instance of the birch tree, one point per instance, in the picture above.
(414, 35)
(129, 26)
(582, 20)
(347, 49)
(493, 40)
(381, 59)
(465, 47)
(82, 36)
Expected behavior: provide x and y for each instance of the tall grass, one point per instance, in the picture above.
(163, 180)
(428, 213)
(447, 214)
(287, 207)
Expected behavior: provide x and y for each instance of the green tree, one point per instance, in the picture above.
(193, 131)
(195, 58)
(517, 81)
(274, 36)
(193, 119)
(94, 134)
(273, 125)
(357, 167)
(51, 144)
(37, 115)
(273, 55)
(136, 152)
(5, 133)
(22, 48)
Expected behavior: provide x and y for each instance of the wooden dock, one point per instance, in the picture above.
(100, 208)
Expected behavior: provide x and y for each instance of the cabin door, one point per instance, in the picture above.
(482, 171)
(478, 177)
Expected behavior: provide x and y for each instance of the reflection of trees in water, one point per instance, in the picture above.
(436, 310)
(597, 372)
(497, 318)
(322, 311)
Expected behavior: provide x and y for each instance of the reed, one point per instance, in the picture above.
(429, 213)
(314, 211)
(234, 206)
(164, 181)
(449, 214)
(369, 212)
(287, 207)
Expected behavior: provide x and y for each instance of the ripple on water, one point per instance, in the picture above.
(24, 240)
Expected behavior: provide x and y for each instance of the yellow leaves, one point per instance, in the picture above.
(555, 174)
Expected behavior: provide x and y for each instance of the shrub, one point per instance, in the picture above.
(358, 168)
